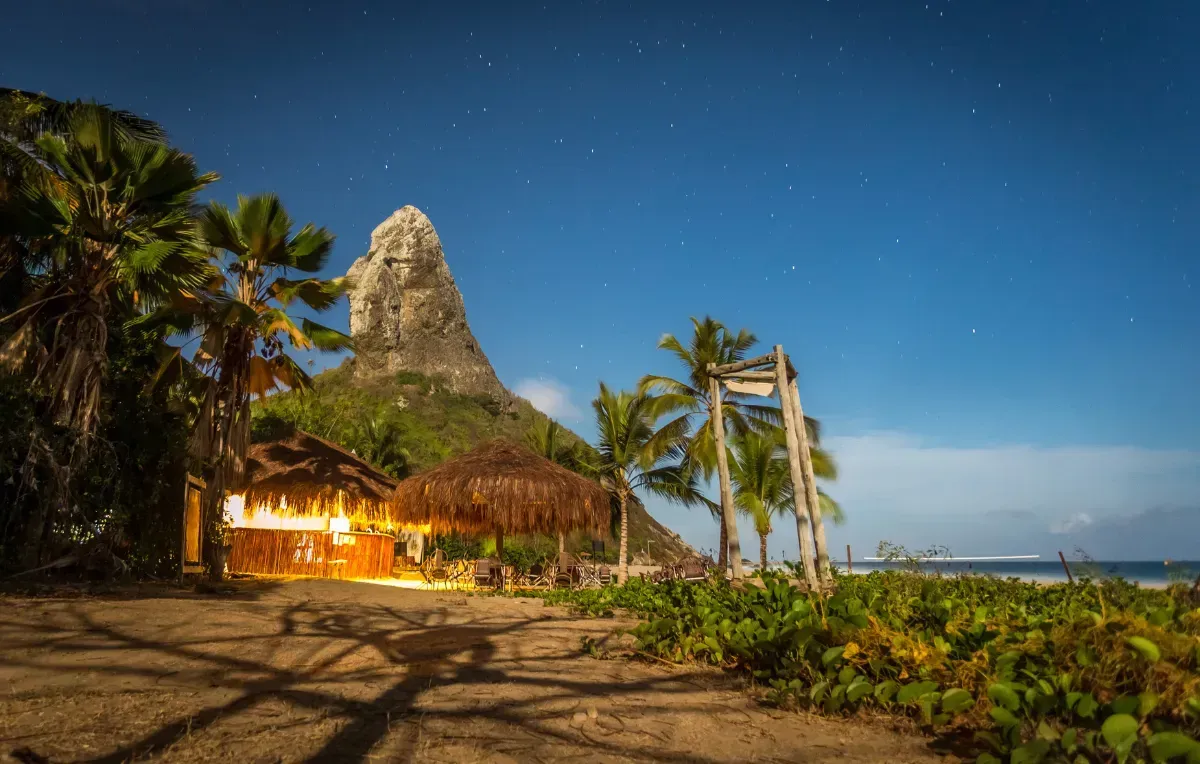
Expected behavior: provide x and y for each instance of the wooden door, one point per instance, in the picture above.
(192, 511)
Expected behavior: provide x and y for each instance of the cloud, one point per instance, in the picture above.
(549, 396)
(1075, 522)
(903, 475)
(1117, 502)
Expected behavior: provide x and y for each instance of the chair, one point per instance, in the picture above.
(459, 570)
(534, 577)
(692, 569)
(605, 575)
(484, 573)
(435, 570)
(564, 574)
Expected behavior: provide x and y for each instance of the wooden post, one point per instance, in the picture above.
(810, 482)
(849, 560)
(727, 513)
(1070, 579)
(793, 452)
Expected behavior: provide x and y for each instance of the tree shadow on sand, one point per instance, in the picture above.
(317, 655)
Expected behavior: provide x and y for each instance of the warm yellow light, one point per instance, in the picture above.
(272, 518)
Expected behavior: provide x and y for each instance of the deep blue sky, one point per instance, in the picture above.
(973, 224)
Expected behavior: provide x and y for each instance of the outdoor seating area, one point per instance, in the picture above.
(687, 569)
(561, 571)
(502, 489)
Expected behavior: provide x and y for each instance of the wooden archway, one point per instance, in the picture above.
(774, 370)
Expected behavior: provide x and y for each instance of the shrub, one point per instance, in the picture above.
(1078, 672)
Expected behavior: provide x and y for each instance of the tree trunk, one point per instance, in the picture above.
(623, 556)
(790, 426)
(762, 552)
(562, 543)
(723, 548)
(812, 499)
(75, 367)
(728, 515)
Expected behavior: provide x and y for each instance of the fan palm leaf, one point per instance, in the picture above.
(243, 320)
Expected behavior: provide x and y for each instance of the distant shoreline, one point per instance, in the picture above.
(1151, 574)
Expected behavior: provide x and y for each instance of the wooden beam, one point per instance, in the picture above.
(810, 484)
(749, 363)
(727, 512)
(803, 532)
(750, 376)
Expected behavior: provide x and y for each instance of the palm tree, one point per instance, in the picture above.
(689, 400)
(633, 456)
(106, 224)
(376, 439)
(24, 118)
(242, 321)
(549, 439)
(762, 483)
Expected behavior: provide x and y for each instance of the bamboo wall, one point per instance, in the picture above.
(311, 553)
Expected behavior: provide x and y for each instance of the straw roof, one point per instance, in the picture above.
(311, 473)
(501, 485)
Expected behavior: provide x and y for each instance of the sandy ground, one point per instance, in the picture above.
(314, 670)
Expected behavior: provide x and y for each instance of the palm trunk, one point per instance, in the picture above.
(723, 548)
(762, 552)
(73, 371)
(623, 556)
(229, 439)
(562, 543)
(76, 364)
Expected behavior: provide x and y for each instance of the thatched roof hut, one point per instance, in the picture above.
(316, 478)
(501, 486)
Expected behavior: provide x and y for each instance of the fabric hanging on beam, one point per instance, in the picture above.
(765, 389)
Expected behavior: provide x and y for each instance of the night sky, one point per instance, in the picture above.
(972, 224)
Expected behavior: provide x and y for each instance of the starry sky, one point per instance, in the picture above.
(972, 224)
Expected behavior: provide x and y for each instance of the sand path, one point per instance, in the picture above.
(314, 670)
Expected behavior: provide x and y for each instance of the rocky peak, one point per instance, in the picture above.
(406, 314)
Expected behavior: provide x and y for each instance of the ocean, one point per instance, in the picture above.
(1148, 573)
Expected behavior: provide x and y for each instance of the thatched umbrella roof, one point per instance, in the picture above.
(311, 473)
(501, 486)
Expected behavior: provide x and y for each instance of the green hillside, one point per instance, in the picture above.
(408, 422)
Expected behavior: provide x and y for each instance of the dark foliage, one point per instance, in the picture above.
(131, 491)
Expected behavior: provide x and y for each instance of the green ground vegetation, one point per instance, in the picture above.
(998, 669)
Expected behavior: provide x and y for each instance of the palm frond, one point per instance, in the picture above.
(324, 338)
(220, 229)
(273, 320)
(309, 249)
(830, 508)
(318, 294)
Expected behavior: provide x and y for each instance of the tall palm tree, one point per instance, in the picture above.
(633, 456)
(550, 440)
(106, 224)
(242, 320)
(688, 399)
(762, 483)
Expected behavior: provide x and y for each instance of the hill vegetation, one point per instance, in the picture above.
(407, 422)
